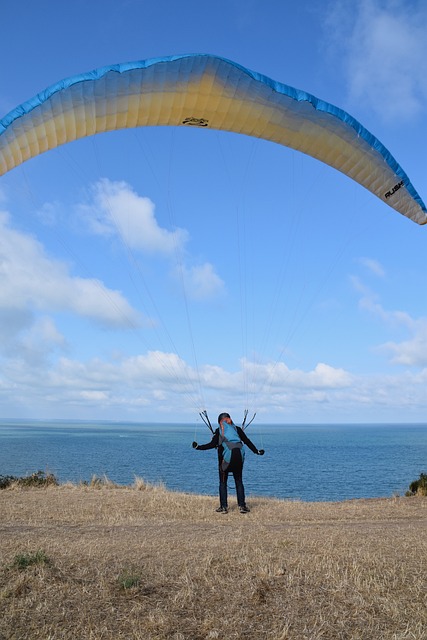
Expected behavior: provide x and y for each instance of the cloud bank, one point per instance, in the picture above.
(41, 374)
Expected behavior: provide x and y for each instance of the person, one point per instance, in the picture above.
(229, 439)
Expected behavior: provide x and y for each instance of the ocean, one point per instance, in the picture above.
(302, 462)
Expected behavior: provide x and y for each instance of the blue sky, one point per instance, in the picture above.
(148, 274)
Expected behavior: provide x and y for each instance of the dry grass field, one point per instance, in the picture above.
(113, 563)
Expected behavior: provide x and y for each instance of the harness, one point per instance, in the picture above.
(229, 440)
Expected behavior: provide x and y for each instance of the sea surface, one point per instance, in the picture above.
(302, 462)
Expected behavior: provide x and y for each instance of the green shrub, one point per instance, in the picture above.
(418, 487)
(6, 481)
(38, 479)
(24, 560)
(129, 579)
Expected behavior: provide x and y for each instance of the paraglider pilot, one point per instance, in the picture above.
(229, 439)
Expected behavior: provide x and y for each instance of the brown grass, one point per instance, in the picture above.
(104, 562)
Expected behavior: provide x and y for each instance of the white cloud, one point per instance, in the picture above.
(156, 367)
(410, 352)
(38, 343)
(384, 48)
(200, 281)
(31, 280)
(278, 375)
(373, 266)
(49, 213)
(13, 322)
(44, 332)
(117, 210)
(369, 301)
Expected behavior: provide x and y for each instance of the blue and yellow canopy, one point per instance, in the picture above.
(207, 92)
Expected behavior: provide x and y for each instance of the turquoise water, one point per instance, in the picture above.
(307, 462)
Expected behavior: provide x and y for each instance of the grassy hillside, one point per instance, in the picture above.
(105, 562)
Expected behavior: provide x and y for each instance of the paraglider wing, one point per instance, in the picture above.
(207, 92)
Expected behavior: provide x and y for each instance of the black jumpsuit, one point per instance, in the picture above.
(235, 467)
